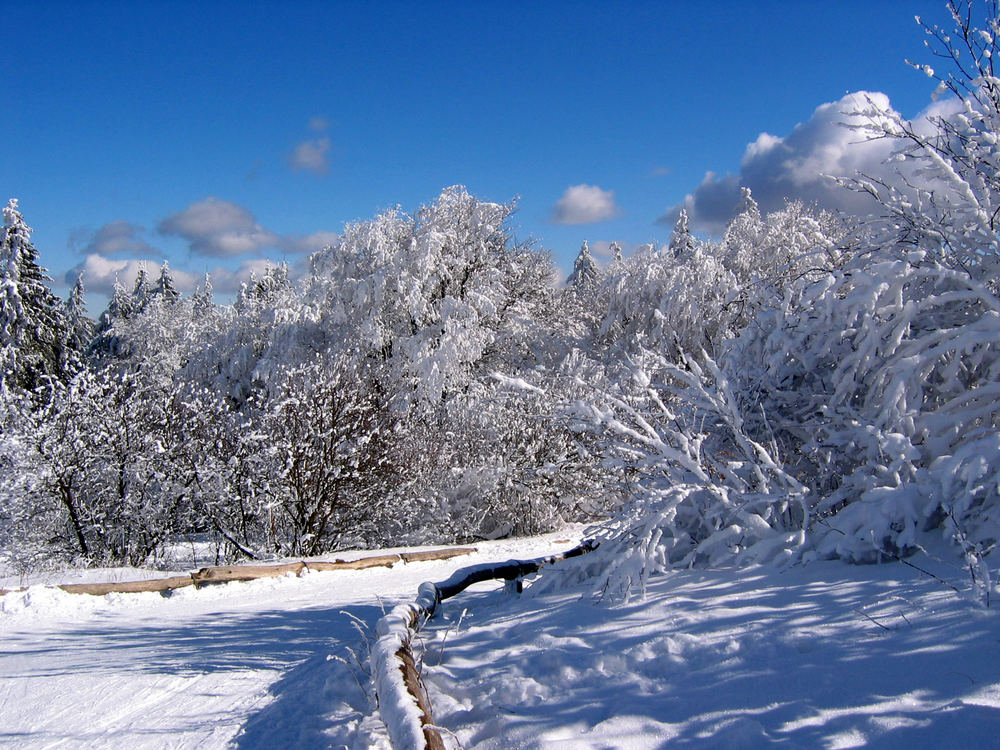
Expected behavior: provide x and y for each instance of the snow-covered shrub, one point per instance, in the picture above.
(700, 490)
(693, 294)
(676, 304)
(332, 468)
(767, 255)
(94, 474)
(511, 464)
(870, 377)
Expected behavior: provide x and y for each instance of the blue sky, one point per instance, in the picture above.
(218, 134)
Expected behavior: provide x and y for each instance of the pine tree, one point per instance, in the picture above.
(164, 287)
(121, 306)
(33, 326)
(616, 256)
(203, 298)
(585, 270)
(681, 241)
(141, 290)
(80, 328)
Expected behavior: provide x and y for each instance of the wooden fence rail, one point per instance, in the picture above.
(403, 702)
(221, 574)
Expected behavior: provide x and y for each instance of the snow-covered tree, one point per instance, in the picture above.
(332, 448)
(616, 256)
(164, 287)
(204, 299)
(946, 197)
(33, 327)
(80, 326)
(94, 475)
(513, 463)
(141, 288)
(682, 244)
(672, 304)
(444, 296)
(585, 271)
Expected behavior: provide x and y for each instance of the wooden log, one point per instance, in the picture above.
(245, 572)
(365, 562)
(128, 587)
(436, 554)
(390, 560)
(415, 686)
(222, 574)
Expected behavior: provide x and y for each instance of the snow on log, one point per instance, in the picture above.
(128, 587)
(227, 573)
(246, 572)
(402, 697)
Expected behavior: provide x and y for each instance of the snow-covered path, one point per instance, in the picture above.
(822, 656)
(242, 663)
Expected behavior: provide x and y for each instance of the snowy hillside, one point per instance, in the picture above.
(826, 655)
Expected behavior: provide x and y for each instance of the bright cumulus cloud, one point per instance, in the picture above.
(585, 204)
(308, 243)
(218, 228)
(799, 166)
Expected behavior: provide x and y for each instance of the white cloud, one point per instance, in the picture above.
(311, 155)
(116, 238)
(227, 281)
(218, 228)
(795, 167)
(308, 243)
(101, 273)
(318, 123)
(585, 204)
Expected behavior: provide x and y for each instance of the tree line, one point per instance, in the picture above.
(806, 385)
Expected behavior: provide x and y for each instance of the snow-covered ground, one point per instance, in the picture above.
(825, 656)
(243, 664)
(822, 656)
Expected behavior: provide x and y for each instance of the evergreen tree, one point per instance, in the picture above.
(33, 326)
(80, 328)
(141, 290)
(164, 287)
(204, 302)
(681, 241)
(121, 306)
(585, 270)
(616, 256)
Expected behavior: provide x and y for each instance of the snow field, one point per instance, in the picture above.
(824, 656)
(263, 664)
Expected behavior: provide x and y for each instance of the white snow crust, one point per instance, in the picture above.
(825, 655)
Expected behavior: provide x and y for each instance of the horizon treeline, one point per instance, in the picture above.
(807, 385)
